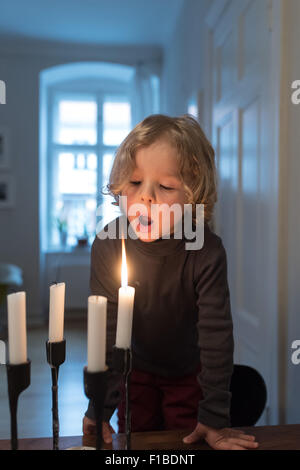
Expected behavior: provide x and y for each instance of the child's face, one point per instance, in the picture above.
(155, 180)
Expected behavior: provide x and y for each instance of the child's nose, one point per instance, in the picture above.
(147, 199)
(147, 195)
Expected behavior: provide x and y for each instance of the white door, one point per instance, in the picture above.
(242, 127)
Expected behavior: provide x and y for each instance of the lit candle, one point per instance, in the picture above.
(96, 351)
(17, 340)
(125, 307)
(56, 312)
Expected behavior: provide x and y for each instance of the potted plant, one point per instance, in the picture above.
(62, 226)
(83, 240)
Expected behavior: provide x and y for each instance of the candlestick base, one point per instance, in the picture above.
(18, 379)
(122, 362)
(95, 384)
(56, 354)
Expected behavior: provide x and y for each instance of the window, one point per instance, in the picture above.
(192, 107)
(85, 133)
(86, 110)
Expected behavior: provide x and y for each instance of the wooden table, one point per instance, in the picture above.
(285, 437)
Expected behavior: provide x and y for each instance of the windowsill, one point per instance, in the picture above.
(69, 249)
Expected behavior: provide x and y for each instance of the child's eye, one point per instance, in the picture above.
(135, 183)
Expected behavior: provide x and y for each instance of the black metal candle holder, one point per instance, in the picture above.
(56, 354)
(95, 384)
(122, 362)
(18, 379)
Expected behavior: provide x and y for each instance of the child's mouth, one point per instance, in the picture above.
(144, 223)
(145, 220)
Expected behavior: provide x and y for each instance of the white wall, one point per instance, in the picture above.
(183, 65)
(20, 65)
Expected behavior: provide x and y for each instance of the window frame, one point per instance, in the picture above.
(117, 92)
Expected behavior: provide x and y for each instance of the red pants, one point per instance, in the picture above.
(161, 403)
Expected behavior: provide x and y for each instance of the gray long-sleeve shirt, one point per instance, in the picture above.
(181, 315)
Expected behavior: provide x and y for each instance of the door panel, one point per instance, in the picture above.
(241, 135)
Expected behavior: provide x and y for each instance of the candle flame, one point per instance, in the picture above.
(124, 273)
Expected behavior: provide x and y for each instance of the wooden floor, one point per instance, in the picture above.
(34, 408)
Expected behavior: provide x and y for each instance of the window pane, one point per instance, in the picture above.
(192, 110)
(75, 215)
(192, 107)
(107, 164)
(106, 211)
(116, 122)
(92, 161)
(77, 184)
(75, 203)
(76, 122)
(74, 176)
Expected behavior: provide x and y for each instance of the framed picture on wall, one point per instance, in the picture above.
(7, 192)
(4, 148)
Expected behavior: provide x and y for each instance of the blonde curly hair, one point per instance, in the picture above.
(196, 158)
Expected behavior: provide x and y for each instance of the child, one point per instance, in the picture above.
(182, 341)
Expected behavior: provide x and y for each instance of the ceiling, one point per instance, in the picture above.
(107, 22)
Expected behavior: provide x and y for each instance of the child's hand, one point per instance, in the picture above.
(222, 439)
(89, 428)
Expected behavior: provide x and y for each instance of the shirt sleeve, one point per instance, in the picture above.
(215, 338)
(102, 283)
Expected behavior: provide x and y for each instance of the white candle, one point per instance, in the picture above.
(96, 350)
(125, 310)
(17, 340)
(125, 307)
(56, 312)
